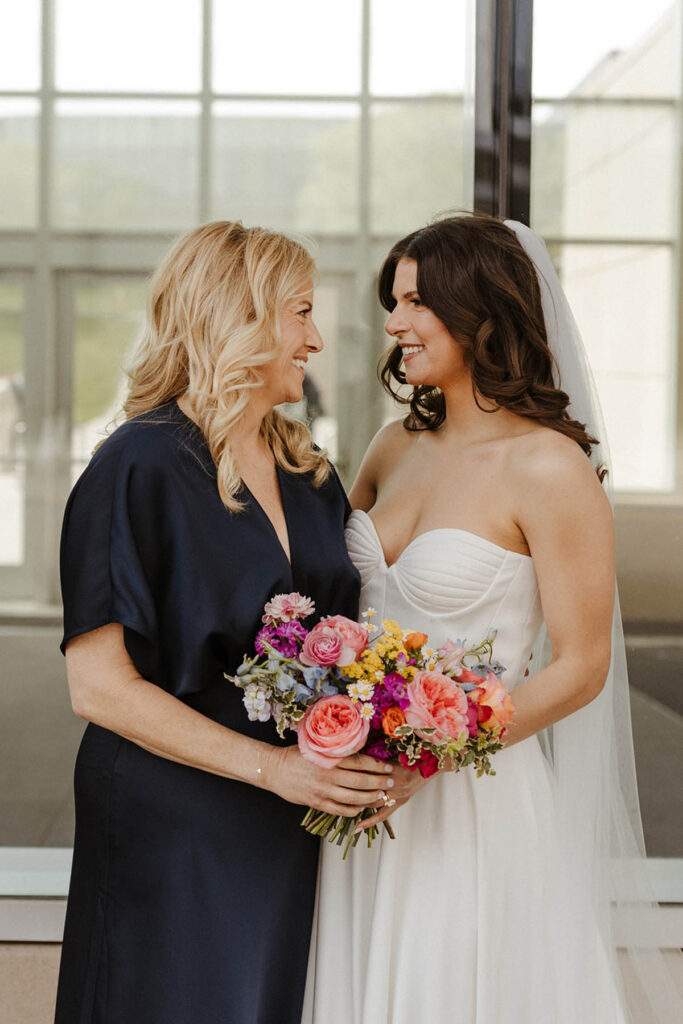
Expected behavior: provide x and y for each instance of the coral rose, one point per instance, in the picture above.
(436, 702)
(391, 719)
(324, 646)
(414, 641)
(494, 704)
(466, 675)
(332, 729)
(355, 635)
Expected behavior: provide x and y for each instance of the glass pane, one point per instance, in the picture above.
(418, 49)
(20, 45)
(594, 162)
(288, 166)
(417, 163)
(126, 165)
(635, 391)
(12, 423)
(302, 47)
(128, 46)
(109, 317)
(19, 162)
(568, 56)
(605, 168)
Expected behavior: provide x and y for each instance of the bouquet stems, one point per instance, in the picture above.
(336, 828)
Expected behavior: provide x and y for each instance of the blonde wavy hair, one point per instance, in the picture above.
(212, 321)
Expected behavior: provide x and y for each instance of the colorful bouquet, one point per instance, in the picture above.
(349, 687)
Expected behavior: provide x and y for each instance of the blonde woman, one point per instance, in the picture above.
(192, 888)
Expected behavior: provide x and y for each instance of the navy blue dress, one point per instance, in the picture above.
(191, 895)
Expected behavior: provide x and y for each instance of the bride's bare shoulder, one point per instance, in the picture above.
(544, 456)
(386, 447)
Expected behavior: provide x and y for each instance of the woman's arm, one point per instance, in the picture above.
(567, 521)
(106, 689)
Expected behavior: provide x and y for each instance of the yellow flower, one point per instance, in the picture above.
(387, 647)
(354, 671)
(372, 661)
(393, 629)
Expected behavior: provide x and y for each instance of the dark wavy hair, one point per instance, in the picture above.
(475, 276)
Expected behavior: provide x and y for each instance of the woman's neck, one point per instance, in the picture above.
(471, 422)
(246, 438)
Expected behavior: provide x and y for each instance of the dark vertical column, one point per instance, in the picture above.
(502, 157)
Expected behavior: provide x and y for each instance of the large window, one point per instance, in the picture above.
(605, 192)
(123, 124)
(345, 125)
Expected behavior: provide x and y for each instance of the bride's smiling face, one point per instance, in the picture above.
(430, 354)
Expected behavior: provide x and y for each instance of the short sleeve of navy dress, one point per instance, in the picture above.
(191, 895)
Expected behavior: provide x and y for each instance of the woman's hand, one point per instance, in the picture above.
(356, 782)
(406, 784)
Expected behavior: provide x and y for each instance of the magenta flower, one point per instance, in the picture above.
(378, 750)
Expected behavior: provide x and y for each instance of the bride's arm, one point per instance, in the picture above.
(566, 518)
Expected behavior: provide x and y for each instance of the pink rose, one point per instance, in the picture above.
(325, 645)
(355, 635)
(494, 704)
(285, 607)
(436, 702)
(450, 658)
(332, 729)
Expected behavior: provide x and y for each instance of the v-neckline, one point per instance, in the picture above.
(279, 473)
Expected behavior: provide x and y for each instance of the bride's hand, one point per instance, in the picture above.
(406, 784)
(356, 782)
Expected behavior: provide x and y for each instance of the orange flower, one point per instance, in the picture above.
(391, 719)
(494, 704)
(413, 641)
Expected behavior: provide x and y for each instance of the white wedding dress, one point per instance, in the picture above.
(468, 916)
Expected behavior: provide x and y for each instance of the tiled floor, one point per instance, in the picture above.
(28, 982)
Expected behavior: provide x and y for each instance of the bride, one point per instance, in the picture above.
(485, 510)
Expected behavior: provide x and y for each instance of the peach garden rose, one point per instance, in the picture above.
(436, 702)
(332, 729)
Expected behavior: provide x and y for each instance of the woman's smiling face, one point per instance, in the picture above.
(430, 354)
(283, 376)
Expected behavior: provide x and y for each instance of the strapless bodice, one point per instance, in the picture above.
(452, 584)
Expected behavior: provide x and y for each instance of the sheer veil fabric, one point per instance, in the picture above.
(591, 751)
